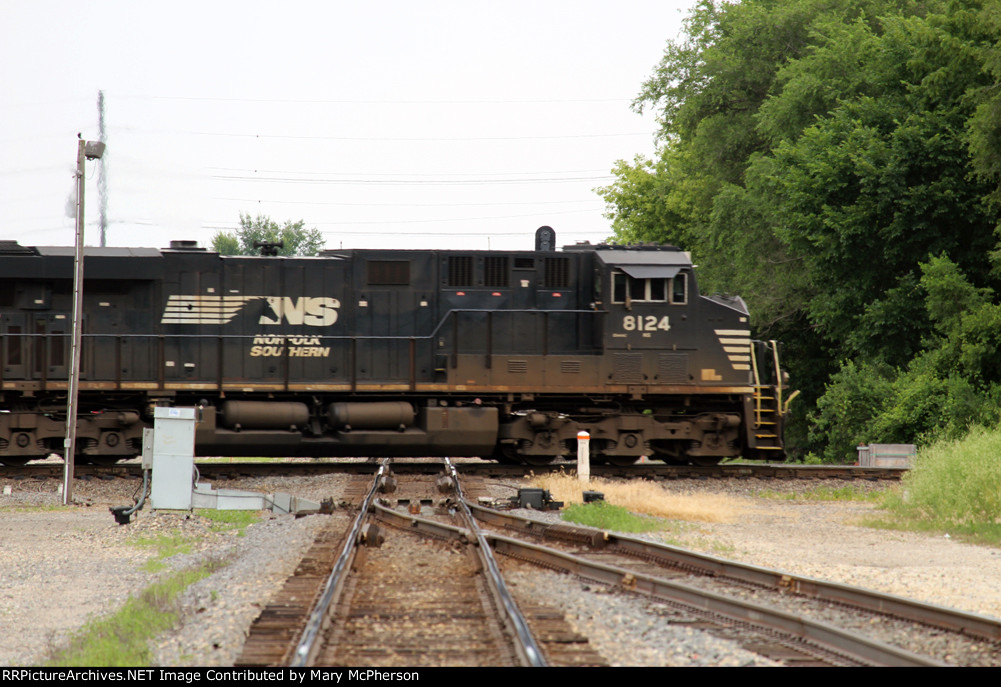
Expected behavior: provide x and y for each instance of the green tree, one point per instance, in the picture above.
(985, 126)
(949, 386)
(296, 238)
(812, 154)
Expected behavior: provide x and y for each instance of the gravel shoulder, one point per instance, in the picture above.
(827, 540)
(63, 566)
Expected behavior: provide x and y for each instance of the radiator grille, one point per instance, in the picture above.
(628, 367)
(672, 368)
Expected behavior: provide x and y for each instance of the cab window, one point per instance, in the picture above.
(653, 290)
(679, 289)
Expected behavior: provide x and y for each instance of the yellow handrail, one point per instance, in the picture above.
(757, 387)
(778, 375)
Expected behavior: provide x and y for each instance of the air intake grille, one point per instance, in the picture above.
(628, 368)
(460, 270)
(496, 272)
(557, 273)
(672, 368)
(517, 366)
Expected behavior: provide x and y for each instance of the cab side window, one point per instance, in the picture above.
(679, 289)
(653, 290)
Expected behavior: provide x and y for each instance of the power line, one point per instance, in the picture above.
(395, 139)
(454, 234)
(296, 101)
(403, 205)
(409, 182)
(231, 226)
(407, 174)
(527, 233)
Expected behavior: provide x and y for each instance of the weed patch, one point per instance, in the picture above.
(166, 545)
(954, 488)
(606, 516)
(122, 639)
(227, 520)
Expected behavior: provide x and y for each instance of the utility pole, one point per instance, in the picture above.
(86, 150)
(102, 179)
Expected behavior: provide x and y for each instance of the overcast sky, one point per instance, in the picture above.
(386, 124)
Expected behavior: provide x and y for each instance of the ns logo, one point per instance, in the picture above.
(310, 311)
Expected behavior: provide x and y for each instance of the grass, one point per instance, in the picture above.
(166, 545)
(644, 498)
(954, 488)
(606, 516)
(174, 542)
(227, 520)
(122, 639)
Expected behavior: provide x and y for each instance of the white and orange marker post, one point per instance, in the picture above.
(584, 457)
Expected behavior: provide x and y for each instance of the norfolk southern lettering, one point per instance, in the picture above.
(298, 347)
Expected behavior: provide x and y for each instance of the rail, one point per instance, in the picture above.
(827, 638)
(857, 597)
(523, 643)
(526, 644)
(308, 645)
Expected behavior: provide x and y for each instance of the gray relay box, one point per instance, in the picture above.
(173, 458)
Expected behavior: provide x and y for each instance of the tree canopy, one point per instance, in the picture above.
(832, 161)
(295, 237)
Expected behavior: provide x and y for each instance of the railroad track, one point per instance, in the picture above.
(416, 597)
(211, 470)
(406, 592)
(925, 633)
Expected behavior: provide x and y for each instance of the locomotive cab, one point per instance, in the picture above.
(648, 298)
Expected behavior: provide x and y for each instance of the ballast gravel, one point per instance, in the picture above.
(60, 567)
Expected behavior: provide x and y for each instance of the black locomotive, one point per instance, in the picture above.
(504, 355)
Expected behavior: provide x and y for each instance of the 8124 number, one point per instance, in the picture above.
(648, 323)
